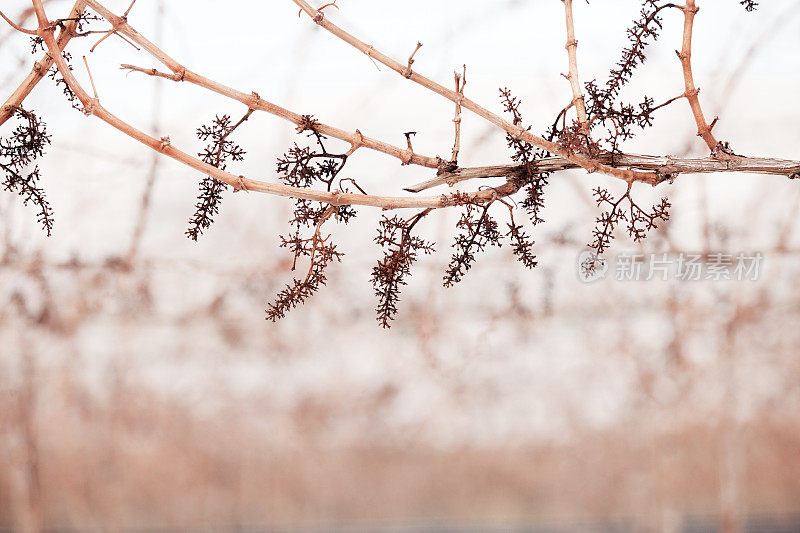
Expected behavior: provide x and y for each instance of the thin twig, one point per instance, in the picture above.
(91, 79)
(685, 55)
(128, 11)
(408, 71)
(152, 72)
(574, 79)
(461, 82)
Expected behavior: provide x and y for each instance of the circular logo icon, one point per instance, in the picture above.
(591, 267)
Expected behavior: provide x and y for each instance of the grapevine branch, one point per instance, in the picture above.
(685, 55)
(302, 168)
(357, 139)
(574, 79)
(668, 168)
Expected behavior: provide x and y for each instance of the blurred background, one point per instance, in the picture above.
(142, 389)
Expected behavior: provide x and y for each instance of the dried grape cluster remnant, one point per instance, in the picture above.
(18, 152)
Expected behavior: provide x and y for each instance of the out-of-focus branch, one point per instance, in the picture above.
(16, 26)
(144, 206)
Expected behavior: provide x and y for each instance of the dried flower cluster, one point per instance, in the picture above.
(54, 74)
(401, 250)
(320, 252)
(18, 152)
(530, 179)
(638, 221)
(478, 230)
(521, 244)
(217, 152)
(602, 101)
(307, 166)
(749, 5)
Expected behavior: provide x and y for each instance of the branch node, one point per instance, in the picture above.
(369, 51)
(667, 172)
(408, 72)
(256, 101)
(88, 110)
(241, 186)
(723, 151)
(408, 153)
(445, 166)
(355, 144)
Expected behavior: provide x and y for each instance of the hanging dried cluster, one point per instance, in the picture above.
(219, 150)
(18, 152)
(305, 167)
(401, 249)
